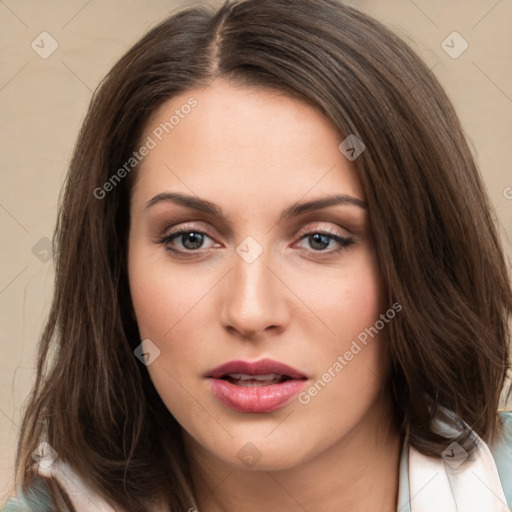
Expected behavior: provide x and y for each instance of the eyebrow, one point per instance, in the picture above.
(294, 210)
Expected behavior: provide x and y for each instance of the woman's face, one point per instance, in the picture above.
(253, 281)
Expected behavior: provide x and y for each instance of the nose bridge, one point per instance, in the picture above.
(252, 301)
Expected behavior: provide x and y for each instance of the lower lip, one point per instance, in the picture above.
(256, 398)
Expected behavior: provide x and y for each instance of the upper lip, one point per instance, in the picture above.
(261, 367)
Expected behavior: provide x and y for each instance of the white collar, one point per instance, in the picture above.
(455, 482)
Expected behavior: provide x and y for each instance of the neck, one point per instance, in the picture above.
(339, 478)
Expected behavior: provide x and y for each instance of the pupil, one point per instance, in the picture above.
(321, 239)
(195, 239)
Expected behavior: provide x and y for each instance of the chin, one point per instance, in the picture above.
(255, 450)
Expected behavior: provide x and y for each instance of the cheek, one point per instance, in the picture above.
(364, 340)
(168, 310)
(353, 363)
(346, 300)
(365, 297)
(162, 296)
(173, 309)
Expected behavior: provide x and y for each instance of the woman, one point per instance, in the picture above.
(279, 284)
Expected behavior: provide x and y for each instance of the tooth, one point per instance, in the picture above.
(244, 376)
(253, 384)
(270, 376)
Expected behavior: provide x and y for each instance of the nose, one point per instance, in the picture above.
(254, 299)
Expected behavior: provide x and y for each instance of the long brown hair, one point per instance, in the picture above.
(436, 240)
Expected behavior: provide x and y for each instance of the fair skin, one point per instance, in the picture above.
(255, 153)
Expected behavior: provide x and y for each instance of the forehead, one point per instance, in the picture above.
(244, 143)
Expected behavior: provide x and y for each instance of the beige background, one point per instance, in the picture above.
(43, 102)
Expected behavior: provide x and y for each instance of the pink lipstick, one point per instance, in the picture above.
(259, 386)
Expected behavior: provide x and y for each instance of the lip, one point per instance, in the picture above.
(261, 367)
(256, 399)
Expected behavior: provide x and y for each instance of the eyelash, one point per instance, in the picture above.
(343, 242)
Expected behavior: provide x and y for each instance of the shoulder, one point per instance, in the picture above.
(501, 450)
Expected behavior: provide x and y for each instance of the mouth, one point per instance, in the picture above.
(248, 381)
(255, 387)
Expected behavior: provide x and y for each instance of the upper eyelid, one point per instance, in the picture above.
(304, 230)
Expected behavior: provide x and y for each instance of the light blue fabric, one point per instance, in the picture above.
(38, 498)
(502, 453)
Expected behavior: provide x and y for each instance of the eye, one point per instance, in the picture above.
(320, 240)
(187, 239)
